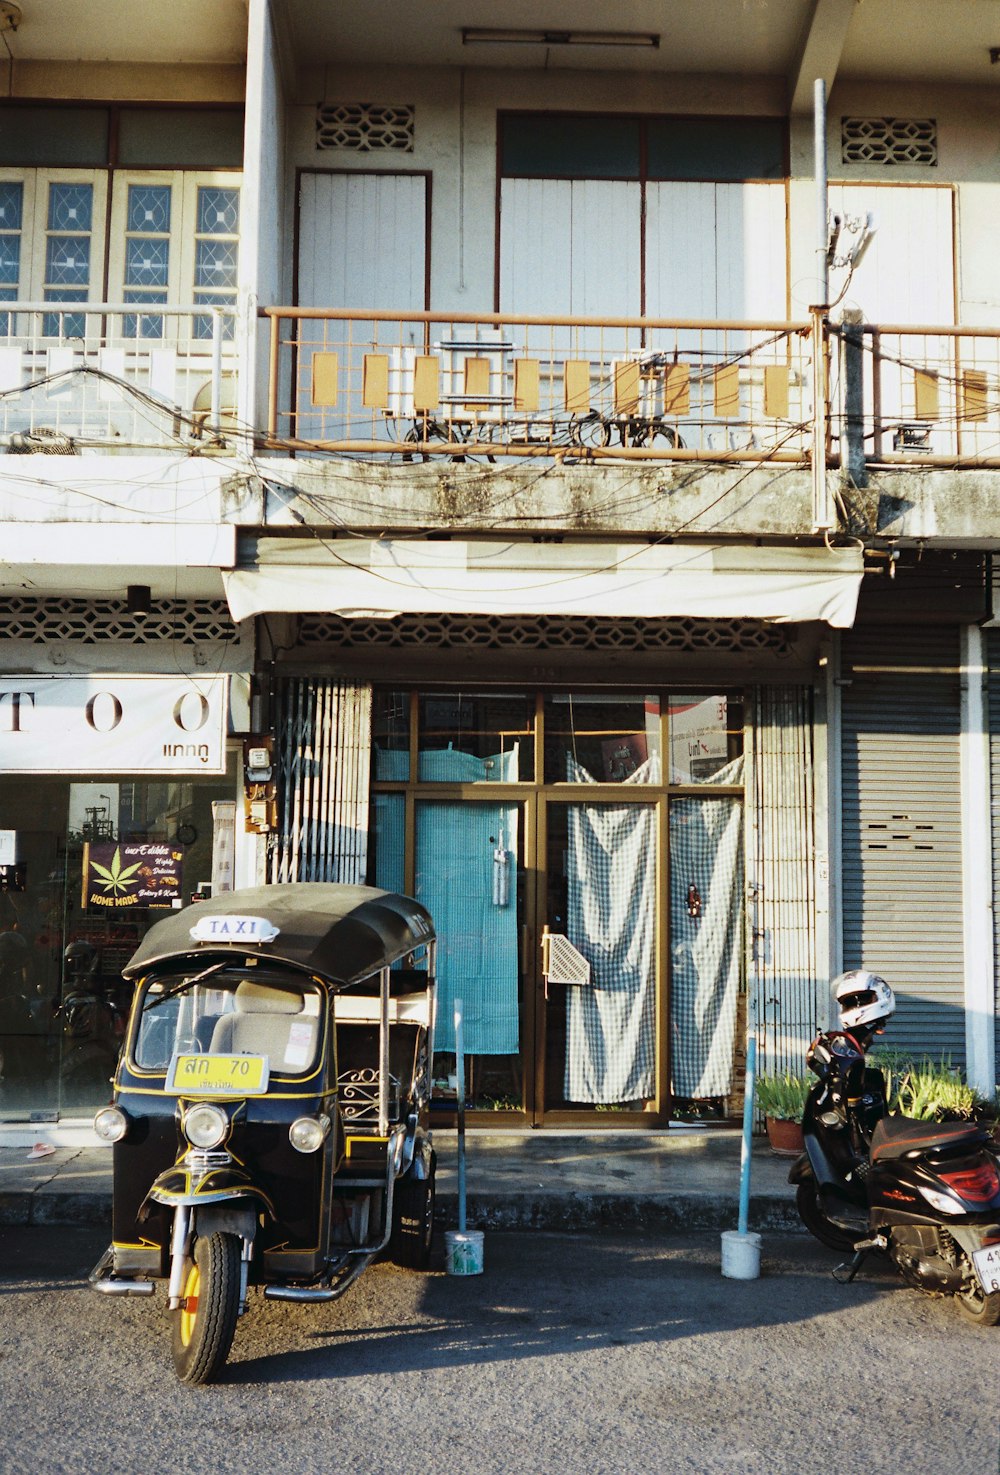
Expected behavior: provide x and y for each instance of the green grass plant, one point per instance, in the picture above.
(783, 1097)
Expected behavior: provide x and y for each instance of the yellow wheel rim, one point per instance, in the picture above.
(189, 1305)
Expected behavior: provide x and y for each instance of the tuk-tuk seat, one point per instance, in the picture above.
(261, 1024)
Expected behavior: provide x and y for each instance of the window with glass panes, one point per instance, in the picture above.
(68, 226)
(147, 254)
(11, 224)
(135, 205)
(216, 253)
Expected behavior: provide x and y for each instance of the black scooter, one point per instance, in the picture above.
(925, 1193)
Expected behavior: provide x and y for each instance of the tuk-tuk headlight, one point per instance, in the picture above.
(308, 1133)
(111, 1124)
(205, 1126)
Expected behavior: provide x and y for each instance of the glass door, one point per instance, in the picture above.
(610, 823)
(470, 874)
(601, 818)
(600, 1008)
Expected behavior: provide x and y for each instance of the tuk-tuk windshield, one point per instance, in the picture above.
(231, 1009)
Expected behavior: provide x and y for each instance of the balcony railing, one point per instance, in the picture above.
(424, 386)
(113, 376)
(919, 395)
(490, 386)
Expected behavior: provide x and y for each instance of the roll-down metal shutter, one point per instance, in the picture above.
(902, 828)
(323, 731)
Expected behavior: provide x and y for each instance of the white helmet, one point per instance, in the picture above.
(863, 998)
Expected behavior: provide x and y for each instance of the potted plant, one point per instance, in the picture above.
(931, 1090)
(782, 1099)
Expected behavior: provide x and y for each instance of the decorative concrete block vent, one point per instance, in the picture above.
(90, 621)
(365, 127)
(889, 141)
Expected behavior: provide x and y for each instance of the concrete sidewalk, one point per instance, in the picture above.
(676, 1179)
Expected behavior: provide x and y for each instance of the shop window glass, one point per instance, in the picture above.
(98, 862)
(470, 737)
(391, 736)
(602, 740)
(705, 737)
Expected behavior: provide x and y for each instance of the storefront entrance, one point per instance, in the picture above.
(97, 861)
(588, 895)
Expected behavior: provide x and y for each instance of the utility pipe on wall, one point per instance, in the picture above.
(822, 511)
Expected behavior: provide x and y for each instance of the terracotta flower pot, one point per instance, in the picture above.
(785, 1137)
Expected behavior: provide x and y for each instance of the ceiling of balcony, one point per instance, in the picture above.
(910, 40)
(157, 31)
(915, 40)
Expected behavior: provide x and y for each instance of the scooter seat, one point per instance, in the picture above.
(895, 1136)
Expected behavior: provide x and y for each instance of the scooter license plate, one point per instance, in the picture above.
(987, 1263)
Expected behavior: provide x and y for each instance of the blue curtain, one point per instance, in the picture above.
(466, 876)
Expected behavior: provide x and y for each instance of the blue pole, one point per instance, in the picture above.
(747, 1131)
(460, 1091)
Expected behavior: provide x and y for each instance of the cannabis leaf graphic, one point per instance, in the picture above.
(116, 879)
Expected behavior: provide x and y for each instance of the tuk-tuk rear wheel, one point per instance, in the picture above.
(204, 1324)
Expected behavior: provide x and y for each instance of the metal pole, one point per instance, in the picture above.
(751, 1081)
(216, 412)
(460, 1103)
(383, 1053)
(822, 203)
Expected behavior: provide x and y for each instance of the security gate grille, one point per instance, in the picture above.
(993, 697)
(787, 1003)
(902, 830)
(323, 728)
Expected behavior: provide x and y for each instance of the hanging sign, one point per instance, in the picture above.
(137, 873)
(170, 725)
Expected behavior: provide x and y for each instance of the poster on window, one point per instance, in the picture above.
(699, 739)
(142, 873)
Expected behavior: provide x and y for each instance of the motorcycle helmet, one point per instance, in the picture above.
(863, 999)
(81, 961)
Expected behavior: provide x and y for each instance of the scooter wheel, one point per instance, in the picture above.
(818, 1225)
(204, 1324)
(983, 1309)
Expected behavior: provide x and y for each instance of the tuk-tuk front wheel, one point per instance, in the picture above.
(413, 1220)
(204, 1324)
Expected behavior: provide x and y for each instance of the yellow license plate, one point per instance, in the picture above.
(218, 1075)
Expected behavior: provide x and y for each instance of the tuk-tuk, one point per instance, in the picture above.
(269, 1117)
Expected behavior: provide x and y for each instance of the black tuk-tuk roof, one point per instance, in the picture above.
(343, 933)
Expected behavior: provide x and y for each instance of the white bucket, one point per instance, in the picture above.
(740, 1255)
(463, 1251)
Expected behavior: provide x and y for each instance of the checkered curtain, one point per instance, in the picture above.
(706, 934)
(611, 880)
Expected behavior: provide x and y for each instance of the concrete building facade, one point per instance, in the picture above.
(486, 462)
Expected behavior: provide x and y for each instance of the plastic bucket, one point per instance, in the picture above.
(463, 1251)
(740, 1255)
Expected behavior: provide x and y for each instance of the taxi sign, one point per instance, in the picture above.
(234, 929)
(218, 1075)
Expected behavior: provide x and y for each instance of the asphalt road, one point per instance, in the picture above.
(575, 1355)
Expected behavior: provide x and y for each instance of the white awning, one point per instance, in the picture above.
(386, 577)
